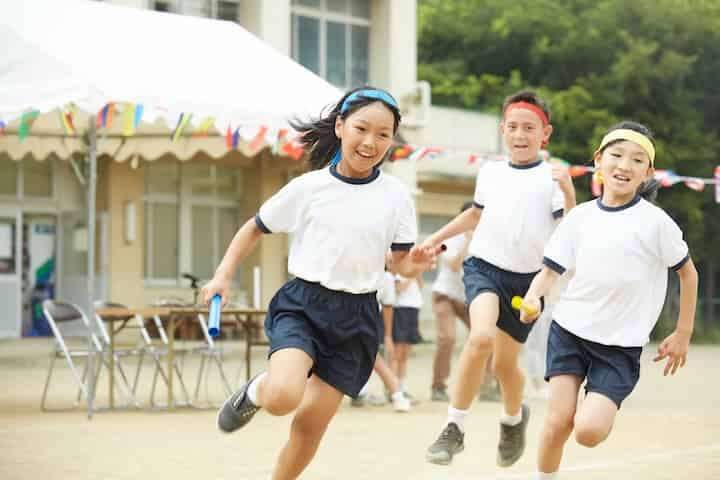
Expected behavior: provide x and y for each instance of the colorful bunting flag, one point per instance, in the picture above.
(204, 127)
(183, 120)
(717, 184)
(26, 121)
(236, 137)
(129, 120)
(2, 127)
(105, 116)
(256, 142)
(139, 110)
(228, 138)
(696, 184)
(293, 149)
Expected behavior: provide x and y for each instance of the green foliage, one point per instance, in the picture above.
(598, 62)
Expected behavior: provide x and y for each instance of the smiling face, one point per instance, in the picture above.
(624, 166)
(366, 135)
(524, 133)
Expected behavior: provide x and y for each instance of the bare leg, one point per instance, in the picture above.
(594, 419)
(402, 351)
(391, 382)
(445, 339)
(484, 311)
(318, 407)
(281, 391)
(508, 372)
(558, 423)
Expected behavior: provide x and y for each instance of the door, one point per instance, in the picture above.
(38, 277)
(10, 274)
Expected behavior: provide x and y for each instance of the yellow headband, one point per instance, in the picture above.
(633, 136)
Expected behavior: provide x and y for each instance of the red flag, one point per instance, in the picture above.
(577, 171)
(256, 142)
(228, 138)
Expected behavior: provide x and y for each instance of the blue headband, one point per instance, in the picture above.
(376, 94)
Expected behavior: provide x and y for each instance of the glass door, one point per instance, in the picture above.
(10, 275)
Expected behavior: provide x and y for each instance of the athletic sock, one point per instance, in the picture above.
(252, 389)
(510, 420)
(457, 417)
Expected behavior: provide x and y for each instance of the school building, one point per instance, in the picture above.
(165, 214)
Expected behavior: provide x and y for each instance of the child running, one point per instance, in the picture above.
(621, 247)
(323, 326)
(405, 324)
(386, 301)
(516, 205)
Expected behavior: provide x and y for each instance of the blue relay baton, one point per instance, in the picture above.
(214, 323)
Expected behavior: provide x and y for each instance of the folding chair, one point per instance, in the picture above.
(61, 313)
(208, 352)
(119, 353)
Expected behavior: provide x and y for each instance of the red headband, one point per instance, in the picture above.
(529, 106)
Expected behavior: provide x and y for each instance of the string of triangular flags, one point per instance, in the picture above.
(285, 142)
(667, 178)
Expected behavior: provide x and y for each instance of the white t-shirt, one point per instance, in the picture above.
(621, 258)
(341, 226)
(520, 205)
(411, 297)
(386, 292)
(447, 281)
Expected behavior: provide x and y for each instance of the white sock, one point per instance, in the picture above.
(364, 390)
(402, 386)
(399, 395)
(457, 417)
(546, 476)
(510, 420)
(252, 389)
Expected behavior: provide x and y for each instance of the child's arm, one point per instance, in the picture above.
(467, 220)
(240, 247)
(675, 346)
(561, 175)
(540, 287)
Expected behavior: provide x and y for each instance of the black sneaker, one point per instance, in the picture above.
(237, 410)
(512, 440)
(448, 444)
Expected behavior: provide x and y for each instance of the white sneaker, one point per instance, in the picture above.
(401, 404)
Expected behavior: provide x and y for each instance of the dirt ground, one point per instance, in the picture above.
(668, 429)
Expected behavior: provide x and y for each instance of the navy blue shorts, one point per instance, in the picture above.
(339, 330)
(480, 276)
(610, 370)
(405, 327)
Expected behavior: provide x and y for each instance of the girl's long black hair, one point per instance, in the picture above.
(649, 188)
(319, 137)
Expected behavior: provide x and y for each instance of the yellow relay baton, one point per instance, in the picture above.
(518, 304)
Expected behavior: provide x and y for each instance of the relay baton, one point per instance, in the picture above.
(214, 323)
(518, 304)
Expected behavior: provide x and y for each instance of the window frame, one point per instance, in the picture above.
(20, 181)
(323, 15)
(185, 201)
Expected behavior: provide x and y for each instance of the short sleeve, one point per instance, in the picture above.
(281, 213)
(673, 249)
(480, 182)
(558, 201)
(560, 251)
(406, 232)
(387, 291)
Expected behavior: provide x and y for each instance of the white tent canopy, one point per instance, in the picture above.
(91, 53)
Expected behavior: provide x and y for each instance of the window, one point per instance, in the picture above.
(226, 10)
(161, 6)
(191, 214)
(27, 178)
(332, 39)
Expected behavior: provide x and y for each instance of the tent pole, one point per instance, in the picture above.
(91, 187)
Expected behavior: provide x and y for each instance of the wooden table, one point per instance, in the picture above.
(247, 317)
